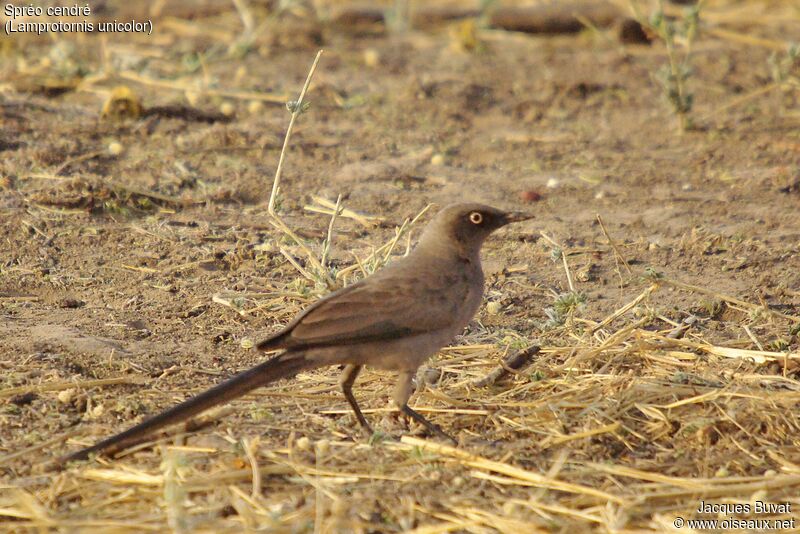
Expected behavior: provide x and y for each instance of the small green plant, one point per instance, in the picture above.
(485, 7)
(651, 275)
(757, 314)
(564, 306)
(66, 61)
(515, 342)
(713, 307)
(785, 70)
(420, 454)
(674, 76)
(244, 43)
(192, 62)
(292, 106)
(261, 414)
(779, 345)
(398, 17)
(569, 303)
(377, 438)
(782, 68)
(536, 376)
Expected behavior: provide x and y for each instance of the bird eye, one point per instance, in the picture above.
(475, 217)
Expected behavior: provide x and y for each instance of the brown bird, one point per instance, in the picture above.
(394, 319)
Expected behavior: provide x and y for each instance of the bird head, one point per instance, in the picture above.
(467, 225)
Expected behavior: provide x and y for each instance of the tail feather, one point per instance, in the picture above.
(284, 365)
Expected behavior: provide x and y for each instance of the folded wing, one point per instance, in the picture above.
(370, 310)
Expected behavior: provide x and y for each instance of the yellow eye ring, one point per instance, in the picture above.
(475, 217)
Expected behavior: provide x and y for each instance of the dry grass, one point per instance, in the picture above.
(619, 426)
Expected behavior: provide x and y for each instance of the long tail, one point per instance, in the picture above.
(284, 365)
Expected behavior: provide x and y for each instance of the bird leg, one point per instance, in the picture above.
(346, 380)
(402, 393)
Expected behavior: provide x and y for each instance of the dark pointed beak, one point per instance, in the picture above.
(517, 216)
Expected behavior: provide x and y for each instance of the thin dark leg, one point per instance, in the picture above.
(433, 428)
(402, 392)
(347, 379)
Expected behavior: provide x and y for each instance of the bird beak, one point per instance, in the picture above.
(517, 216)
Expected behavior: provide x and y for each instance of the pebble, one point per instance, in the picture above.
(115, 148)
(530, 196)
(371, 57)
(255, 107)
(227, 109)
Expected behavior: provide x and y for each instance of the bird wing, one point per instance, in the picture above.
(376, 308)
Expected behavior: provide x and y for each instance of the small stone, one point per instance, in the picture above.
(65, 396)
(530, 196)
(431, 376)
(371, 57)
(254, 107)
(115, 148)
(339, 507)
(438, 160)
(632, 32)
(552, 183)
(192, 97)
(241, 72)
(227, 109)
(122, 103)
(23, 398)
(71, 303)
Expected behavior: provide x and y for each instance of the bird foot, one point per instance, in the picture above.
(431, 427)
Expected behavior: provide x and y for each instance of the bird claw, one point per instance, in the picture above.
(443, 435)
(431, 427)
